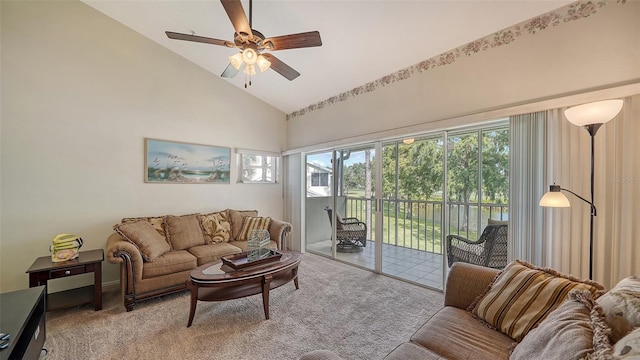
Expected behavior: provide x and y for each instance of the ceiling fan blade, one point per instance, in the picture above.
(293, 41)
(238, 18)
(201, 39)
(281, 68)
(230, 72)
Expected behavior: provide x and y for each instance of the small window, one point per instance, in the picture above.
(320, 179)
(257, 167)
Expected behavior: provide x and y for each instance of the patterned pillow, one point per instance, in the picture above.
(236, 218)
(621, 306)
(145, 237)
(253, 223)
(157, 223)
(522, 295)
(215, 227)
(575, 330)
(628, 347)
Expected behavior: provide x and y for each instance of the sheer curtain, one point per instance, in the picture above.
(292, 185)
(559, 237)
(527, 135)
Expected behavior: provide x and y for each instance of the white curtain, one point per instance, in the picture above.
(565, 241)
(293, 209)
(527, 135)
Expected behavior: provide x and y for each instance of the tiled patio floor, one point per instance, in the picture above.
(417, 266)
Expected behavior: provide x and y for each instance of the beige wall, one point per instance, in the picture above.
(80, 92)
(602, 50)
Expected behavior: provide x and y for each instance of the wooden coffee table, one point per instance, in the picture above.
(219, 282)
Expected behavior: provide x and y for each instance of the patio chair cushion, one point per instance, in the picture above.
(522, 295)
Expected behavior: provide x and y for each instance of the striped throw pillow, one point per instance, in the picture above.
(253, 223)
(522, 295)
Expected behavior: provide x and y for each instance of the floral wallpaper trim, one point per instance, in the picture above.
(574, 11)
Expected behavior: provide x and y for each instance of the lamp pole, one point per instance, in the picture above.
(592, 130)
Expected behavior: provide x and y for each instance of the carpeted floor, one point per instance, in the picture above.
(358, 314)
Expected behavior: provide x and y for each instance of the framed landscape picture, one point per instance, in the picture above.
(184, 163)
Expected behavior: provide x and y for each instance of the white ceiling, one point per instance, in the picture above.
(362, 40)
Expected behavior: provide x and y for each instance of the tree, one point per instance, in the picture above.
(462, 165)
(495, 165)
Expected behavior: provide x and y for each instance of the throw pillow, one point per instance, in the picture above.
(184, 231)
(575, 330)
(157, 223)
(253, 223)
(236, 219)
(215, 227)
(145, 237)
(522, 295)
(621, 306)
(628, 347)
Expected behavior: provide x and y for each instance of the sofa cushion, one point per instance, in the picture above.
(628, 347)
(574, 330)
(251, 223)
(169, 263)
(454, 333)
(216, 227)
(522, 295)
(157, 222)
(621, 306)
(145, 237)
(184, 231)
(236, 217)
(213, 252)
(412, 351)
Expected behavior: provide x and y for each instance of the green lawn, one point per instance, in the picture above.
(416, 232)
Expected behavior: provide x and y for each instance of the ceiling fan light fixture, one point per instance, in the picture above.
(249, 56)
(250, 69)
(236, 60)
(263, 63)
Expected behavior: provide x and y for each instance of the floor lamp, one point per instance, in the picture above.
(590, 116)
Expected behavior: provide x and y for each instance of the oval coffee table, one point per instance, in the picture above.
(219, 282)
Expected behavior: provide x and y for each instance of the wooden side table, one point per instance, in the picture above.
(43, 270)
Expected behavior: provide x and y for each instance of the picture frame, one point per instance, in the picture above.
(185, 163)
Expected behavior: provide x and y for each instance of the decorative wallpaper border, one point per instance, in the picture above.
(574, 11)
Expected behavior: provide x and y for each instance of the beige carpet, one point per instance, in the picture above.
(358, 314)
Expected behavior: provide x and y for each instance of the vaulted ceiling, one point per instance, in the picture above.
(362, 40)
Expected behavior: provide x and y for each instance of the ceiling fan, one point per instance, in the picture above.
(252, 44)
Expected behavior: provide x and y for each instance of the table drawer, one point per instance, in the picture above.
(54, 274)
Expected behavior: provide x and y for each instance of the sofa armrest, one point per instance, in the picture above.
(120, 251)
(466, 282)
(279, 230)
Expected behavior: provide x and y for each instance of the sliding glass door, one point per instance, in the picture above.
(389, 206)
(412, 204)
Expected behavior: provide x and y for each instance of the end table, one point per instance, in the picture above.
(43, 270)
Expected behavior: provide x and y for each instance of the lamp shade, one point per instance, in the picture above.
(249, 56)
(554, 198)
(593, 113)
(249, 69)
(263, 63)
(236, 60)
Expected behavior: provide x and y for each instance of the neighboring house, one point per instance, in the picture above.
(319, 180)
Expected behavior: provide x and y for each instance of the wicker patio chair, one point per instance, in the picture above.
(489, 250)
(351, 233)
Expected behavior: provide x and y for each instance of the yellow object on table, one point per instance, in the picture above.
(65, 247)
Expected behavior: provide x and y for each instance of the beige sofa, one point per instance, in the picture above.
(157, 254)
(579, 323)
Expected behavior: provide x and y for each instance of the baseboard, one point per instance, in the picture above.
(111, 285)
